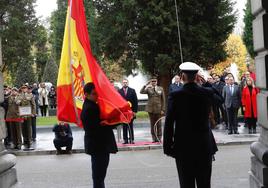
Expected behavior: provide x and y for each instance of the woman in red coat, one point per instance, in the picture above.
(249, 102)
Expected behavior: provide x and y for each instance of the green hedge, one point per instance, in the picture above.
(51, 120)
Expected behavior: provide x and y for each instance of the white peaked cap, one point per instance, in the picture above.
(189, 66)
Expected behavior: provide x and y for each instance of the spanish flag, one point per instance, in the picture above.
(78, 67)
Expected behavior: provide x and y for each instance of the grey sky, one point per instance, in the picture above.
(45, 7)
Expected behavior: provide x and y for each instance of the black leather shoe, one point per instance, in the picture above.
(236, 132)
(17, 147)
(230, 132)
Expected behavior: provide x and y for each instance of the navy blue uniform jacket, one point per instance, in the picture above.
(98, 139)
(187, 133)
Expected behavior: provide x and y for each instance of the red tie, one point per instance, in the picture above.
(125, 91)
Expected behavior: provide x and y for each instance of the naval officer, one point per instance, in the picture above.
(187, 135)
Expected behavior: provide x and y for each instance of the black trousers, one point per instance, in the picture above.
(34, 127)
(43, 110)
(194, 172)
(99, 165)
(65, 142)
(9, 136)
(128, 130)
(220, 114)
(224, 114)
(251, 123)
(232, 118)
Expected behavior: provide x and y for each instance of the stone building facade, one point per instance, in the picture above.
(259, 162)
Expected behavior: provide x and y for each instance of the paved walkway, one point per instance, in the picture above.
(143, 169)
(45, 136)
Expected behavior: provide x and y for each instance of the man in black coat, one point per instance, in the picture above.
(7, 92)
(187, 135)
(176, 85)
(99, 140)
(219, 85)
(129, 95)
(63, 137)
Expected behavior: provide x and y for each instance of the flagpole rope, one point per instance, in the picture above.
(179, 32)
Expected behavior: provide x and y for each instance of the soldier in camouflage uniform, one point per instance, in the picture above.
(155, 107)
(27, 99)
(14, 119)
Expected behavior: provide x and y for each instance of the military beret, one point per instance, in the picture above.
(24, 86)
(15, 89)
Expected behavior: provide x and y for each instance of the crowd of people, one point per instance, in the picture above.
(234, 97)
(21, 109)
(193, 100)
(196, 104)
(237, 96)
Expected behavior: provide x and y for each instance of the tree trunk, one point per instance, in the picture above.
(165, 81)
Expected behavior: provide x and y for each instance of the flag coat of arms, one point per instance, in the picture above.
(78, 67)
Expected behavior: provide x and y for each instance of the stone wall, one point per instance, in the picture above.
(259, 162)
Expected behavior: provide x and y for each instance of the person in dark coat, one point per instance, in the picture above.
(52, 97)
(176, 85)
(219, 85)
(30, 91)
(63, 138)
(7, 93)
(187, 135)
(99, 140)
(129, 95)
(36, 96)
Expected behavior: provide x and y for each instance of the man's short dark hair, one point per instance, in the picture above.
(191, 75)
(88, 88)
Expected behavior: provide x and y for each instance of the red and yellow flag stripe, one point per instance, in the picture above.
(77, 67)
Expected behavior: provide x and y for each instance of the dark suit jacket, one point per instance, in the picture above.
(188, 110)
(219, 86)
(232, 100)
(131, 97)
(98, 138)
(174, 87)
(62, 131)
